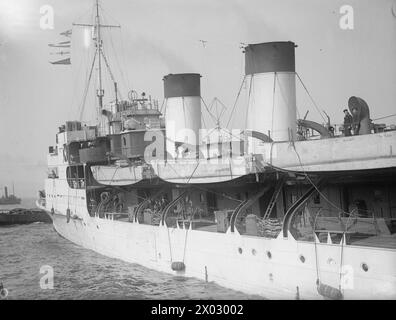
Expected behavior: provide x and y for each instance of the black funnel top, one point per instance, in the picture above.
(182, 85)
(270, 57)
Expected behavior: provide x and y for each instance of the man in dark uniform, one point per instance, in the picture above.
(347, 123)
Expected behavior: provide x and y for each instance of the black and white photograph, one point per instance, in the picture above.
(219, 151)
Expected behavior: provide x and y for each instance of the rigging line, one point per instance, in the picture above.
(165, 104)
(184, 113)
(316, 251)
(273, 103)
(185, 239)
(211, 130)
(203, 120)
(85, 58)
(195, 169)
(87, 81)
(250, 91)
(108, 66)
(285, 99)
(224, 108)
(87, 86)
(309, 179)
(236, 100)
(206, 107)
(75, 90)
(312, 100)
(170, 244)
(231, 134)
(124, 60)
(314, 185)
(162, 105)
(392, 115)
(118, 62)
(124, 79)
(341, 258)
(111, 74)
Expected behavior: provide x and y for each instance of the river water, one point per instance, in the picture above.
(25, 250)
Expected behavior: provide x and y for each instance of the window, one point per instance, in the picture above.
(75, 177)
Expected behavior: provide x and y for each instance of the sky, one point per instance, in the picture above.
(158, 37)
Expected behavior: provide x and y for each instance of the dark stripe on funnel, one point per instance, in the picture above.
(269, 57)
(182, 85)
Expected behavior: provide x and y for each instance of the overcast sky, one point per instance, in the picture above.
(162, 36)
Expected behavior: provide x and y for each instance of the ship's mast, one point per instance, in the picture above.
(100, 91)
(99, 54)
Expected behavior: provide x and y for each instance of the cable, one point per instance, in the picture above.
(207, 109)
(273, 103)
(392, 115)
(236, 100)
(312, 100)
(87, 86)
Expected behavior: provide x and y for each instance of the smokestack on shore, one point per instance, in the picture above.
(271, 87)
(182, 109)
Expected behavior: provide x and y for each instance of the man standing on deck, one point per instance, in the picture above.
(347, 123)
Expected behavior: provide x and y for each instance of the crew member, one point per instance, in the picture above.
(347, 123)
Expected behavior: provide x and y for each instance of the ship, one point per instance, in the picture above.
(23, 216)
(7, 199)
(284, 208)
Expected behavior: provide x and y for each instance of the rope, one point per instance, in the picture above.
(170, 246)
(185, 238)
(313, 184)
(312, 100)
(250, 91)
(87, 86)
(316, 252)
(110, 72)
(195, 169)
(207, 109)
(392, 115)
(341, 258)
(236, 100)
(273, 103)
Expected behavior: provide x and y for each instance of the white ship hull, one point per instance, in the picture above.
(241, 262)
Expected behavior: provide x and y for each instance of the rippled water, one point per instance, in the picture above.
(83, 274)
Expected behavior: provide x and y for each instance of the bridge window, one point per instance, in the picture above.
(75, 177)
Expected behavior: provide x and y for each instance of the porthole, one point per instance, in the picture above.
(269, 255)
(254, 252)
(364, 267)
(302, 258)
(240, 250)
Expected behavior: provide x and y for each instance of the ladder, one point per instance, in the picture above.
(274, 198)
